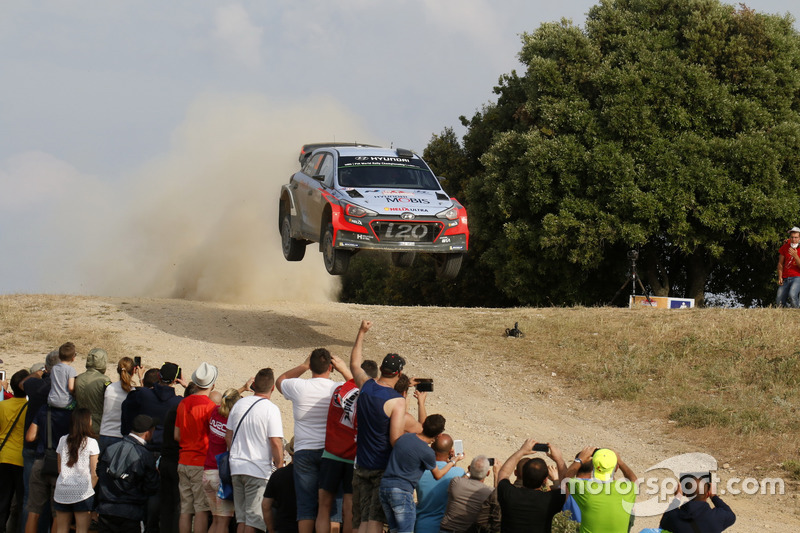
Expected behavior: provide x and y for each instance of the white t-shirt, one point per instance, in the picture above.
(74, 483)
(251, 454)
(111, 425)
(310, 401)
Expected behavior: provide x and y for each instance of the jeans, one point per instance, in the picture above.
(398, 505)
(28, 456)
(306, 482)
(104, 441)
(790, 290)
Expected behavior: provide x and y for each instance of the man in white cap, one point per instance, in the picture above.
(605, 503)
(191, 432)
(789, 271)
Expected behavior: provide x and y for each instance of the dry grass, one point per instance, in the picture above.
(731, 376)
(36, 324)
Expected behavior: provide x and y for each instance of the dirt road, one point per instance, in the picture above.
(490, 394)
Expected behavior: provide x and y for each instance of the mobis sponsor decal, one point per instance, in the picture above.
(406, 200)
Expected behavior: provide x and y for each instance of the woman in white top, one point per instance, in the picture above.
(77, 474)
(110, 426)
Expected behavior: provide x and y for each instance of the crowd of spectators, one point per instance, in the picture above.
(132, 455)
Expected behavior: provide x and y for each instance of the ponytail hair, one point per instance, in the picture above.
(125, 369)
(230, 398)
(80, 429)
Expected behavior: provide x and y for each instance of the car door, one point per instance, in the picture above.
(306, 188)
(317, 198)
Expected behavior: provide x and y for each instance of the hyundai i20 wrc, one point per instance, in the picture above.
(350, 198)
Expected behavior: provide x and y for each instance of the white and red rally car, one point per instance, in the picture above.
(357, 197)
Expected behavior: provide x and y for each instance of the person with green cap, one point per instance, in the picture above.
(90, 386)
(606, 504)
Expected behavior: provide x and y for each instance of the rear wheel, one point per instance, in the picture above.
(403, 259)
(448, 265)
(293, 249)
(336, 261)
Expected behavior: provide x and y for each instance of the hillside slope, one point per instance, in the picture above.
(494, 391)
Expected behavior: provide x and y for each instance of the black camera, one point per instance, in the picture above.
(633, 255)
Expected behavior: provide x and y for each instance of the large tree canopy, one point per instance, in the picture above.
(668, 126)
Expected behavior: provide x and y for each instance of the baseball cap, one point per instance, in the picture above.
(36, 367)
(205, 375)
(605, 462)
(393, 363)
(168, 372)
(794, 230)
(142, 423)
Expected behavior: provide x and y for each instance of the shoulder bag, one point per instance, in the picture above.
(225, 491)
(50, 466)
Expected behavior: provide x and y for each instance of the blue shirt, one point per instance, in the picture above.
(432, 498)
(408, 460)
(373, 426)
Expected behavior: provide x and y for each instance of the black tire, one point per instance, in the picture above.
(293, 249)
(448, 265)
(336, 261)
(403, 259)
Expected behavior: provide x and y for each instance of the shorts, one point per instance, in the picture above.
(40, 488)
(306, 482)
(248, 492)
(190, 485)
(366, 501)
(218, 506)
(78, 507)
(334, 474)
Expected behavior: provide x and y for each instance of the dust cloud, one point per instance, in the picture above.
(201, 222)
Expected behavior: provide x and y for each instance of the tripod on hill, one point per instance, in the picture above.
(633, 279)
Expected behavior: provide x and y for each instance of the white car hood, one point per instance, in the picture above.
(398, 201)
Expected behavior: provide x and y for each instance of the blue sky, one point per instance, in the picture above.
(109, 108)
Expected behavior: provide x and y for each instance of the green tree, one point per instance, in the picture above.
(671, 126)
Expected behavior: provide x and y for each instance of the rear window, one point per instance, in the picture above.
(385, 171)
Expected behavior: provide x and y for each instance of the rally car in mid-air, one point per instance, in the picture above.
(350, 198)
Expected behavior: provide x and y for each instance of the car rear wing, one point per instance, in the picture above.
(306, 150)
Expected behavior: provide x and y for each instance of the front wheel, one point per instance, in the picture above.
(403, 259)
(293, 249)
(448, 265)
(336, 261)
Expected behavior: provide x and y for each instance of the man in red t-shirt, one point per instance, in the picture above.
(336, 467)
(789, 271)
(191, 432)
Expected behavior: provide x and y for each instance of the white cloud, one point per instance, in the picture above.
(237, 38)
(476, 18)
(32, 179)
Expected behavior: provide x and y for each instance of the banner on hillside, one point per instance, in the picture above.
(661, 302)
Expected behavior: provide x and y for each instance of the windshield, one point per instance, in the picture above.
(385, 171)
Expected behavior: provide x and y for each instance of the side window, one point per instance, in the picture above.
(326, 169)
(311, 167)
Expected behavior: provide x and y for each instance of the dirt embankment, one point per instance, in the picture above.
(488, 387)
